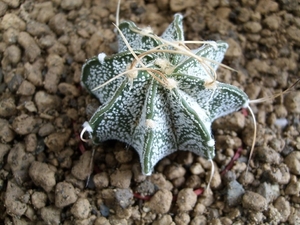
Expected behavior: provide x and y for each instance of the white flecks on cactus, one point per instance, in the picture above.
(168, 98)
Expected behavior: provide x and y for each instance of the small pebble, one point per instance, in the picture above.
(32, 50)
(83, 168)
(268, 155)
(121, 178)
(165, 219)
(160, 181)
(101, 180)
(71, 4)
(254, 201)
(26, 88)
(160, 202)
(182, 218)
(38, 199)
(56, 141)
(252, 27)
(81, 208)
(269, 191)
(292, 100)
(174, 171)
(42, 175)
(68, 89)
(293, 162)
(11, 20)
(283, 207)
(186, 199)
(6, 133)
(7, 107)
(14, 206)
(65, 194)
(293, 188)
(51, 215)
(178, 5)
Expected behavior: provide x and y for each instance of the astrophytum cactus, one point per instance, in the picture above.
(157, 95)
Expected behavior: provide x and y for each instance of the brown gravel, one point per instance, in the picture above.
(48, 176)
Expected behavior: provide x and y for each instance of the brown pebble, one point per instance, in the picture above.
(174, 171)
(46, 129)
(55, 69)
(11, 20)
(46, 41)
(68, 89)
(185, 158)
(24, 124)
(45, 12)
(234, 50)
(45, 101)
(12, 54)
(64, 158)
(182, 219)
(254, 201)
(32, 50)
(293, 162)
(121, 178)
(7, 107)
(268, 155)
(81, 208)
(283, 207)
(266, 6)
(160, 202)
(19, 161)
(178, 5)
(292, 101)
(160, 181)
(56, 141)
(101, 180)
(65, 194)
(186, 199)
(101, 221)
(42, 175)
(51, 215)
(137, 173)
(3, 8)
(33, 72)
(4, 149)
(193, 181)
(37, 29)
(272, 22)
(165, 219)
(252, 27)
(10, 36)
(58, 23)
(83, 168)
(123, 156)
(6, 133)
(26, 88)
(71, 4)
(293, 188)
(236, 122)
(197, 169)
(199, 220)
(14, 206)
(38, 199)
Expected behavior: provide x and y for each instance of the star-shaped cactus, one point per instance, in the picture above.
(157, 95)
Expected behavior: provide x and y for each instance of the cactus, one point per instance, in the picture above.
(158, 95)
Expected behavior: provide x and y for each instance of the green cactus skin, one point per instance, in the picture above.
(154, 119)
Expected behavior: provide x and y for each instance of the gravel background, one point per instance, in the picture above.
(44, 166)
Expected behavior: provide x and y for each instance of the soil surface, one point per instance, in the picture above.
(45, 172)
